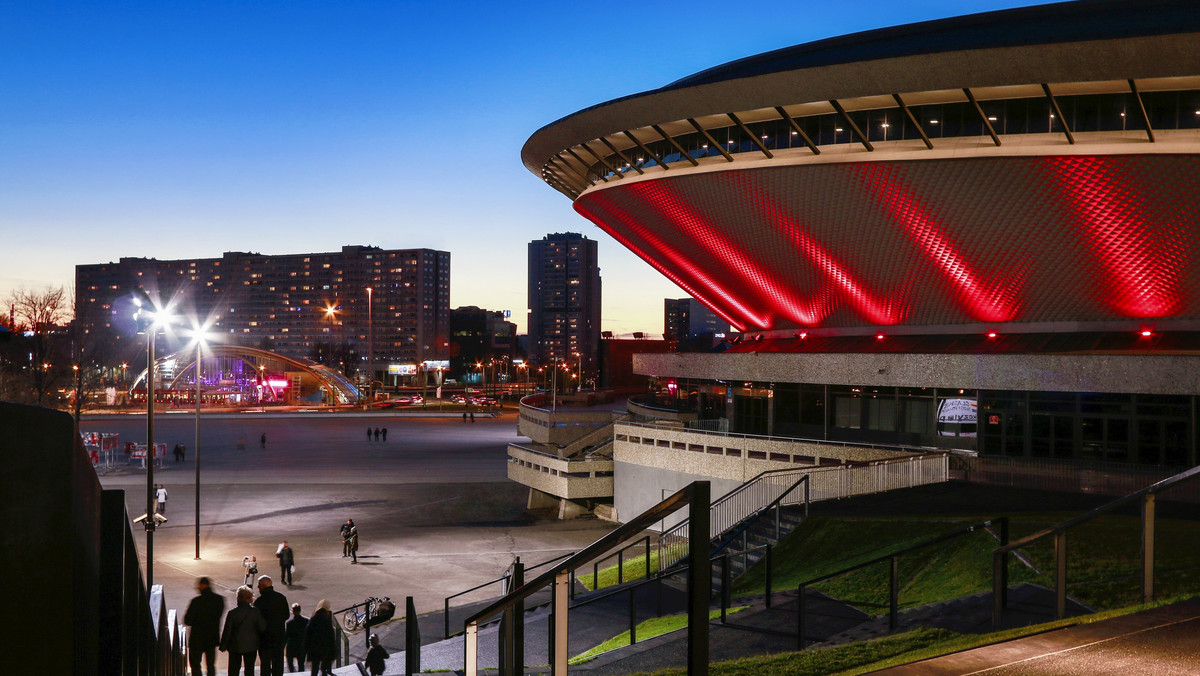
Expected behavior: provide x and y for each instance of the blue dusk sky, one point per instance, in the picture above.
(177, 129)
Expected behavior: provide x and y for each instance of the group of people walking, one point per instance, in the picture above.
(375, 433)
(262, 629)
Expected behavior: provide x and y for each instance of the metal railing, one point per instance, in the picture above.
(893, 577)
(1071, 476)
(695, 497)
(620, 554)
(503, 579)
(1059, 533)
(765, 489)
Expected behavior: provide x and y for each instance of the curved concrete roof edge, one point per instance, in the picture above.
(743, 85)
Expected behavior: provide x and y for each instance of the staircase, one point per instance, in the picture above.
(748, 547)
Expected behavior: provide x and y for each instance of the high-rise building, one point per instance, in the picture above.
(478, 335)
(564, 301)
(312, 305)
(687, 318)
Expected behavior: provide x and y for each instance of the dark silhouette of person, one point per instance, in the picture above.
(203, 618)
(385, 434)
(320, 643)
(287, 559)
(295, 629)
(368, 434)
(263, 439)
(376, 434)
(472, 416)
(275, 610)
(347, 529)
(240, 637)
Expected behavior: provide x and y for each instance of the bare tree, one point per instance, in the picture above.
(38, 315)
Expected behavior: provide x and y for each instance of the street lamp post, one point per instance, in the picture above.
(150, 523)
(196, 451)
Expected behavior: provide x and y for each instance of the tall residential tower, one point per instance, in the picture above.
(564, 301)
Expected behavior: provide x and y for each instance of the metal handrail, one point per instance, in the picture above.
(695, 496)
(675, 532)
(894, 589)
(1059, 532)
(745, 525)
(446, 605)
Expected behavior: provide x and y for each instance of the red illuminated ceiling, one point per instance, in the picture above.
(923, 243)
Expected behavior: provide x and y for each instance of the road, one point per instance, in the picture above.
(435, 511)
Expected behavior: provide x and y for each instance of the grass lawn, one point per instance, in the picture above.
(1104, 562)
(647, 629)
(634, 568)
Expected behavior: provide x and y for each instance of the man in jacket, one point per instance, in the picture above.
(296, 628)
(240, 638)
(347, 528)
(203, 617)
(274, 608)
(287, 559)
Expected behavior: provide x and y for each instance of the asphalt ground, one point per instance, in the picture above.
(435, 510)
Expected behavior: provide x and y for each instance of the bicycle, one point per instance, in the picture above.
(355, 619)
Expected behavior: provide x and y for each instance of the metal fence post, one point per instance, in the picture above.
(412, 638)
(632, 615)
(1004, 562)
(558, 644)
(1060, 574)
(767, 562)
(1148, 548)
(621, 566)
(647, 557)
(724, 585)
(446, 617)
(893, 594)
(516, 631)
(699, 578)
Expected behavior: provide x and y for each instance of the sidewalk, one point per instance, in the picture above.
(1159, 641)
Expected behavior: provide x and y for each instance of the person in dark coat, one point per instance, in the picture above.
(376, 657)
(275, 610)
(320, 643)
(295, 628)
(369, 433)
(240, 637)
(287, 559)
(347, 529)
(203, 618)
(353, 543)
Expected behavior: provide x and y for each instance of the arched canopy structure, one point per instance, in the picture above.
(246, 374)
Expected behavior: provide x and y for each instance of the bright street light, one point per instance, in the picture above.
(200, 336)
(149, 321)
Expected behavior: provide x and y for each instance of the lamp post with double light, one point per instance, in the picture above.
(199, 335)
(149, 323)
(370, 346)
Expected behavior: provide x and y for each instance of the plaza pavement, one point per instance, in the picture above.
(434, 507)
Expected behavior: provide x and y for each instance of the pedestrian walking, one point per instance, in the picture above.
(369, 432)
(472, 416)
(353, 543)
(240, 637)
(250, 563)
(287, 562)
(263, 440)
(376, 434)
(178, 451)
(160, 499)
(276, 611)
(376, 657)
(385, 434)
(295, 629)
(347, 529)
(464, 416)
(203, 618)
(320, 644)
